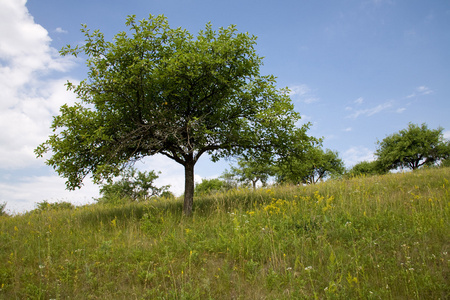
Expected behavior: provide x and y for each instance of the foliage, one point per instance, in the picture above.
(412, 148)
(208, 186)
(2, 209)
(445, 163)
(47, 206)
(167, 195)
(315, 164)
(378, 237)
(160, 90)
(251, 170)
(229, 180)
(133, 185)
(366, 168)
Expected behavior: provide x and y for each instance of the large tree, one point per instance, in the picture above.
(162, 90)
(412, 148)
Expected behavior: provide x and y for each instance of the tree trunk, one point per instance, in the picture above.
(188, 187)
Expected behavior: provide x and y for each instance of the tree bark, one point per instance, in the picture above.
(188, 187)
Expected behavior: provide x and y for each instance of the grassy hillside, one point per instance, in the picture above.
(382, 237)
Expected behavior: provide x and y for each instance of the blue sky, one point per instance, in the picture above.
(358, 71)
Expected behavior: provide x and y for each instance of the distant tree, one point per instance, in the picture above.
(315, 165)
(366, 168)
(250, 170)
(133, 185)
(412, 148)
(229, 179)
(2, 209)
(208, 186)
(161, 90)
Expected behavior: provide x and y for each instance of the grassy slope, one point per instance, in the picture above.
(381, 237)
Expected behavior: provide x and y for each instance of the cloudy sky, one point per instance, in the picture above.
(358, 70)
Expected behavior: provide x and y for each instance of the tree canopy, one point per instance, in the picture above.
(159, 90)
(412, 148)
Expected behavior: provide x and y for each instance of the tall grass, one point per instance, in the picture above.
(381, 237)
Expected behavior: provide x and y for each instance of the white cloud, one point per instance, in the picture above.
(420, 91)
(303, 93)
(360, 100)
(299, 90)
(60, 30)
(400, 110)
(348, 129)
(26, 124)
(23, 195)
(446, 134)
(357, 154)
(28, 99)
(370, 111)
(309, 100)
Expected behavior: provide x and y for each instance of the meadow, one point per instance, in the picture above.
(380, 237)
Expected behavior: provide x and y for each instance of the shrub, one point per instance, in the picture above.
(366, 168)
(45, 206)
(208, 186)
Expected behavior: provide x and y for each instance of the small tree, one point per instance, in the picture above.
(412, 148)
(163, 91)
(134, 185)
(230, 181)
(315, 165)
(250, 170)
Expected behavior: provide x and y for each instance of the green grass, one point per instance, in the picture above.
(381, 237)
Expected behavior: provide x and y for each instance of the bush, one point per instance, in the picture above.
(167, 195)
(45, 206)
(366, 168)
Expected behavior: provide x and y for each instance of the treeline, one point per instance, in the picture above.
(410, 148)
